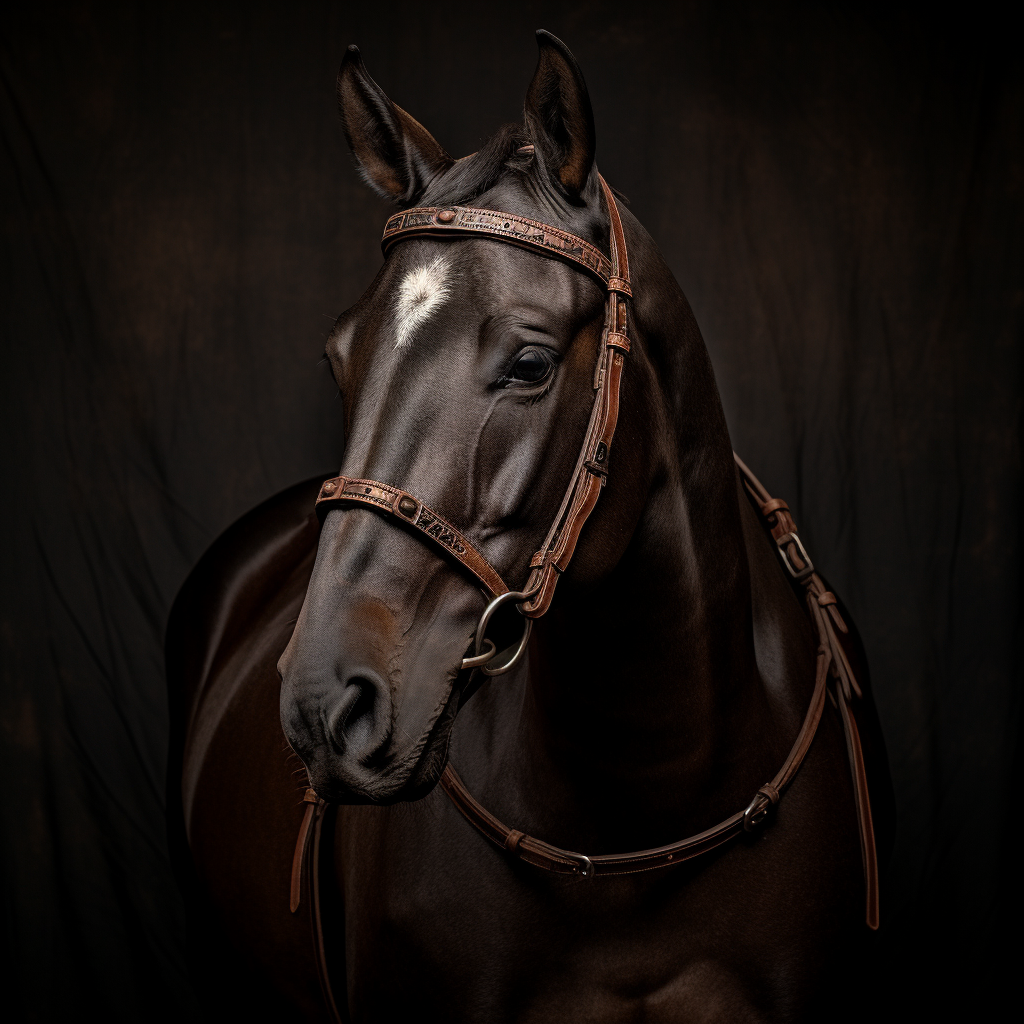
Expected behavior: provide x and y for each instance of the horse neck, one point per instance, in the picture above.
(647, 679)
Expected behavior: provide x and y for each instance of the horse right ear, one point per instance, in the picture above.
(397, 156)
(560, 117)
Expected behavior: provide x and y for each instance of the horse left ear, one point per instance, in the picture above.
(398, 157)
(560, 117)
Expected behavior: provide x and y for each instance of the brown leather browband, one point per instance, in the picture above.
(554, 554)
(530, 234)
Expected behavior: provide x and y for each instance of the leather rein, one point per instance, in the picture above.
(834, 676)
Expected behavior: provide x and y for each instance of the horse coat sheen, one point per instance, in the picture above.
(669, 681)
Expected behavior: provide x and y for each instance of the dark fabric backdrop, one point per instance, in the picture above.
(839, 191)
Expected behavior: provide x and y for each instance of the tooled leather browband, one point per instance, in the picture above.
(530, 234)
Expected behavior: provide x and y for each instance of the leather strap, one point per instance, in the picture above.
(316, 916)
(402, 505)
(831, 663)
(591, 471)
(306, 875)
(530, 234)
(300, 857)
(554, 858)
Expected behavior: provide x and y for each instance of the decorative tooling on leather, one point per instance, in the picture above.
(522, 231)
(340, 491)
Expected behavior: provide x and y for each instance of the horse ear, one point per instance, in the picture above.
(397, 156)
(560, 117)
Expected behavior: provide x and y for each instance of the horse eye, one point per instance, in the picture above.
(532, 366)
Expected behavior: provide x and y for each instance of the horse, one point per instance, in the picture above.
(399, 785)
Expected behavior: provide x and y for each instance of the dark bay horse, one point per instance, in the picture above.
(317, 670)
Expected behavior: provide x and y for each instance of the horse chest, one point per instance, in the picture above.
(434, 917)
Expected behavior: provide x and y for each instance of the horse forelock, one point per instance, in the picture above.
(475, 174)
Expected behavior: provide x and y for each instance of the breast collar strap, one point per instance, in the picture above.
(833, 676)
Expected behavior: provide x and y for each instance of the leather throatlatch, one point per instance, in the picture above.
(833, 672)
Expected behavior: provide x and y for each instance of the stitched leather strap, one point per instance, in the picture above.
(820, 601)
(830, 660)
(530, 234)
(554, 858)
(591, 471)
(407, 508)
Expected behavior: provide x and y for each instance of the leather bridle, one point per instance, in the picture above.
(833, 676)
(551, 559)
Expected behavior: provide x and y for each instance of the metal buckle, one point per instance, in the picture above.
(586, 865)
(757, 811)
(798, 574)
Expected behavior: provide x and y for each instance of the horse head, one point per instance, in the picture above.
(467, 372)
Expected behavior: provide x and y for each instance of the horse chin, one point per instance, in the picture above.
(392, 777)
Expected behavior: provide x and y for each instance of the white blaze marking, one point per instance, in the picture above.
(422, 290)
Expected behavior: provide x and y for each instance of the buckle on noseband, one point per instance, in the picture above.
(481, 658)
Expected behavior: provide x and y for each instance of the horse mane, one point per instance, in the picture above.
(475, 174)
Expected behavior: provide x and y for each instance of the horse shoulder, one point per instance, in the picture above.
(234, 788)
(231, 583)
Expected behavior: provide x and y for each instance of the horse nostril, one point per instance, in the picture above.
(366, 701)
(354, 725)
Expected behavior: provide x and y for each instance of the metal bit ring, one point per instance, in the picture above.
(482, 657)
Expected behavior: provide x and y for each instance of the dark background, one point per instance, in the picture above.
(838, 189)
